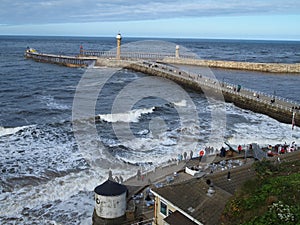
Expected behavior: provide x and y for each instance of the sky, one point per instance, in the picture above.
(221, 19)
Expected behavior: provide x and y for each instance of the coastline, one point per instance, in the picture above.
(213, 167)
(177, 168)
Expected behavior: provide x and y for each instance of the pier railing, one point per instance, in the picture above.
(247, 93)
(134, 55)
(72, 61)
(267, 103)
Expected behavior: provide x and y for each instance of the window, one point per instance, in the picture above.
(163, 208)
(170, 212)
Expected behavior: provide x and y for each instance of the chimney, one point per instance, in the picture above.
(211, 190)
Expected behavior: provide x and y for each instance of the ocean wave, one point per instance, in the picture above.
(62, 188)
(132, 116)
(249, 127)
(11, 130)
(182, 103)
(52, 103)
(40, 151)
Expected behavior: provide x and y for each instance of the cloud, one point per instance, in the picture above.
(19, 12)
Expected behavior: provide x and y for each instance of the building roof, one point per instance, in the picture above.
(176, 218)
(110, 188)
(238, 176)
(191, 199)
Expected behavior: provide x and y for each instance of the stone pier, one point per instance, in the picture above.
(262, 67)
(279, 109)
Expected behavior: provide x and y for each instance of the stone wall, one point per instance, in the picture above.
(281, 114)
(263, 67)
(113, 62)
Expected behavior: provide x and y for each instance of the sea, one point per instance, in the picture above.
(53, 152)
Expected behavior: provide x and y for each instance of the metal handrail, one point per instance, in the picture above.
(211, 84)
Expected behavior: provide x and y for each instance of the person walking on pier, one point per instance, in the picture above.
(201, 154)
(185, 156)
(222, 152)
(240, 149)
(191, 154)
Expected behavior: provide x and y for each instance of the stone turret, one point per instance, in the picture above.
(110, 203)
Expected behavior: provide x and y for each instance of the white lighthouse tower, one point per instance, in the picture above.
(119, 38)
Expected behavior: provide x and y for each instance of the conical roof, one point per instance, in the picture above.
(110, 188)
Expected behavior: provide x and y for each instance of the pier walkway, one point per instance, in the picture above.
(64, 60)
(279, 108)
(188, 58)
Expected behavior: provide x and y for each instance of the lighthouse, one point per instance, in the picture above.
(177, 51)
(119, 38)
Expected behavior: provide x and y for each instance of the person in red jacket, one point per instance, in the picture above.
(201, 154)
(239, 149)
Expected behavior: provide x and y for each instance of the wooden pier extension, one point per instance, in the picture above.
(70, 61)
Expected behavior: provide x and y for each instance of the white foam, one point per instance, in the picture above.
(182, 103)
(260, 129)
(52, 103)
(143, 132)
(60, 188)
(36, 150)
(11, 130)
(160, 148)
(127, 117)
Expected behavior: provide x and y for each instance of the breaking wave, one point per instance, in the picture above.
(182, 103)
(132, 116)
(52, 103)
(11, 130)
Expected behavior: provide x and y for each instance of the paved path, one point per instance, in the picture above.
(256, 95)
(160, 174)
(155, 175)
(279, 102)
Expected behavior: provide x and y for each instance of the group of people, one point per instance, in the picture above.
(184, 156)
(202, 152)
(281, 148)
(277, 149)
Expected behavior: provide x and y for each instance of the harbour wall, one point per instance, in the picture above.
(262, 67)
(113, 62)
(282, 113)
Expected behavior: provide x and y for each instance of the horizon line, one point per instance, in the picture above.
(157, 37)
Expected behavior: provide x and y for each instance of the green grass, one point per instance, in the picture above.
(273, 197)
